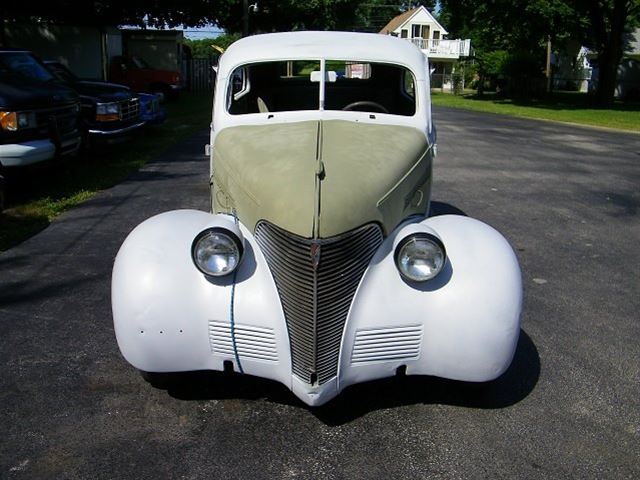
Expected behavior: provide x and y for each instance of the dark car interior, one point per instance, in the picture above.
(281, 87)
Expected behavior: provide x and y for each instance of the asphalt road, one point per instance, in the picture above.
(569, 407)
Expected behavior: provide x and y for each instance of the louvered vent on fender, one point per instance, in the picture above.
(252, 343)
(379, 345)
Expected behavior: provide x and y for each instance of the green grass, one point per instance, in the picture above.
(37, 195)
(562, 107)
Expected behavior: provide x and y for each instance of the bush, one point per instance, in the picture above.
(524, 74)
(456, 80)
(513, 73)
(490, 70)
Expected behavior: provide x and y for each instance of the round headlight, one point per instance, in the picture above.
(216, 252)
(420, 257)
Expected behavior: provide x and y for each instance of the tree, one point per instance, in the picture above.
(608, 20)
(202, 48)
(523, 26)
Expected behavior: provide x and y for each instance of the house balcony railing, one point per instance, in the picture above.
(443, 48)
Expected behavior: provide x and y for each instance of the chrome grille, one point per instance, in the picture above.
(129, 109)
(316, 300)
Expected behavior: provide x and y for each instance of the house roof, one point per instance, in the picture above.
(399, 20)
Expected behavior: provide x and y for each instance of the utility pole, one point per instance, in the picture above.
(245, 18)
(548, 63)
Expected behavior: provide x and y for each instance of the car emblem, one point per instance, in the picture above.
(315, 255)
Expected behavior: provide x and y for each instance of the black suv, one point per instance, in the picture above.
(110, 112)
(38, 117)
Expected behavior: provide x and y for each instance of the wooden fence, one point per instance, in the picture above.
(198, 74)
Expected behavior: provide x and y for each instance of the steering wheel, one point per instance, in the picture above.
(362, 104)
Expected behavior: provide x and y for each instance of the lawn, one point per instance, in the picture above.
(37, 195)
(562, 107)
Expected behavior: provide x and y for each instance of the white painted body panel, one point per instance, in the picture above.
(308, 45)
(323, 46)
(463, 325)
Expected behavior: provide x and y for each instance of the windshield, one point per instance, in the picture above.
(24, 64)
(62, 72)
(139, 62)
(285, 86)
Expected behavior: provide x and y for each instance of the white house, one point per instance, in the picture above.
(421, 28)
(578, 67)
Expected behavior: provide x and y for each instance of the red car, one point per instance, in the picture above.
(137, 74)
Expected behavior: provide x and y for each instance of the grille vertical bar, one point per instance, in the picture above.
(316, 300)
(129, 109)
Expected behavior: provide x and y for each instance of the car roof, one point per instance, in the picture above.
(369, 47)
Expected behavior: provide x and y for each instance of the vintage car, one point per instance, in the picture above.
(319, 266)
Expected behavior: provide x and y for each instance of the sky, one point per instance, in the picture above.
(197, 33)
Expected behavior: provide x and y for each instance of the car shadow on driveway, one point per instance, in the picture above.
(510, 388)
(358, 400)
(442, 208)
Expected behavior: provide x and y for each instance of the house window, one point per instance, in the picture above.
(425, 31)
(436, 35)
(415, 31)
(404, 33)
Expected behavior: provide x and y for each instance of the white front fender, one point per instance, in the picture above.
(462, 325)
(169, 317)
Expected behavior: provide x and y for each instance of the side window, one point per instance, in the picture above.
(238, 82)
(238, 85)
(409, 84)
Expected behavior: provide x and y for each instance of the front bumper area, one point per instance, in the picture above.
(462, 325)
(34, 151)
(110, 135)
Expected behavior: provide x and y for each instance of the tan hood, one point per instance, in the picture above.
(372, 173)
(267, 172)
(319, 179)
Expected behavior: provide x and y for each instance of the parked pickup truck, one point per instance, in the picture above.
(110, 112)
(140, 76)
(38, 117)
(151, 111)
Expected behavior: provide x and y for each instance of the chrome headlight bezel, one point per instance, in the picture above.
(413, 238)
(210, 232)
